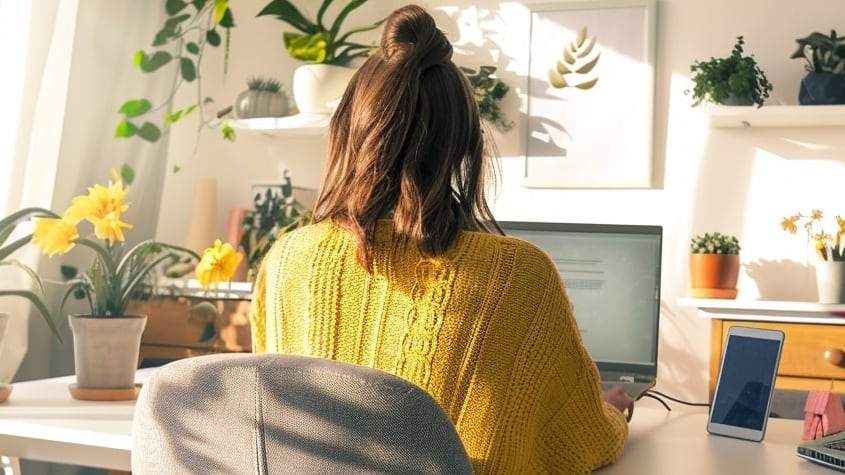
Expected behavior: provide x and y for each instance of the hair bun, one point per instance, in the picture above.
(411, 38)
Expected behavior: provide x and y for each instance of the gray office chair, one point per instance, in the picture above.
(238, 413)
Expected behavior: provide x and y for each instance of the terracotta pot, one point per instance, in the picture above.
(714, 275)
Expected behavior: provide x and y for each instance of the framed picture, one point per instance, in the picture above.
(590, 95)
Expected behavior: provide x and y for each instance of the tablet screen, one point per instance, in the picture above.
(746, 380)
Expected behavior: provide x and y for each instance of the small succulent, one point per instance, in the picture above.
(714, 243)
(259, 83)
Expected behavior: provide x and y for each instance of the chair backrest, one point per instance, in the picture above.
(236, 413)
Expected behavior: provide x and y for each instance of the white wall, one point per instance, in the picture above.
(740, 181)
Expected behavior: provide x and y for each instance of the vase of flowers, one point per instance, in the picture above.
(827, 246)
(714, 265)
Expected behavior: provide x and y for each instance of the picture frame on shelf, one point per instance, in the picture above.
(590, 95)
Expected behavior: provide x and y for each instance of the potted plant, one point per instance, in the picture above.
(106, 339)
(828, 248)
(824, 82)
(714, 265)
(734, 80)
(263, 98)
(189, 28)
(325, 48)
(273, 215)
(489, 92)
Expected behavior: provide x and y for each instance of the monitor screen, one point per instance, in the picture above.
(612, 276)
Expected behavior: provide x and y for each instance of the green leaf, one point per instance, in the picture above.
(149, 132)
(228, 20)
(176, 168)
(157, 60)
(188, 70)
(171, 29)
(135, 107)
(125, 129)
(172, 117)
(228, 132)
(192, 48)
(68, 272)
(288, 13)
(310, 49)
(212, 37)
(208, 332)
(127, 174)
(173, 7)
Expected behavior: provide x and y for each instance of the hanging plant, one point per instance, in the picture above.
(189, 28)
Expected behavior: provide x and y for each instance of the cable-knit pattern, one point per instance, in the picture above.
(486, 329)
(429, 295)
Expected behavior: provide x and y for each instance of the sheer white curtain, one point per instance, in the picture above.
(34, 86)
(72, 69)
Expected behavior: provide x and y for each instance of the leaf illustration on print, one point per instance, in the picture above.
(579, 59)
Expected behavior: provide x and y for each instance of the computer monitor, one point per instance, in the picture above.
(612, 276)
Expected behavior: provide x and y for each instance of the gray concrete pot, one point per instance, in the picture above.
(105, 350)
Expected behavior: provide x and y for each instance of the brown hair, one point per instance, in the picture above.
(406, 138)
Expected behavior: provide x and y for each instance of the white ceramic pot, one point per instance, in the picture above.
(317, 88)
(830, 279)
(105, 350)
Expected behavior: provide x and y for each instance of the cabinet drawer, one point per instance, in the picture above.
(804, 348)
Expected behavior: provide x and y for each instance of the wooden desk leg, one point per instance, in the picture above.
(715, 354)
(10, 465)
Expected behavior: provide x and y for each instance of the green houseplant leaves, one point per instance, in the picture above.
(317, 41)
(189, 28)
(735, 79)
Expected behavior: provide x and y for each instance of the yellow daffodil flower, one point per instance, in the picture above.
(217, 264)
(54, 236)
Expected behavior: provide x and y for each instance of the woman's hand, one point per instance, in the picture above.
(617, 398)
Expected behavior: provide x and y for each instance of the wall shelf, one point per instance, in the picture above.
(297, 125)
(767, 310)
(776, 116)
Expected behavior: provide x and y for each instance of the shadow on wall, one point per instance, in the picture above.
(783, 280)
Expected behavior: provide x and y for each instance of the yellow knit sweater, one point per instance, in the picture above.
(486, 329)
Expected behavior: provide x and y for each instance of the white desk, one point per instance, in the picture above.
(677, 442)
(41, 421)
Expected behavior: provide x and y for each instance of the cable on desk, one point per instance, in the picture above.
(657, 395)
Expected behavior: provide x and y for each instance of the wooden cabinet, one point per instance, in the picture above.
(813, 347)
(180, 327)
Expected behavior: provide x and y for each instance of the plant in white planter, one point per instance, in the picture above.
(327, 51)
(263, 98)
(825, 66)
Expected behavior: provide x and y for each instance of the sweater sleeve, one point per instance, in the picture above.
(594, 430)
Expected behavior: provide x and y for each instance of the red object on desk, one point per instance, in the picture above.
(823, 415)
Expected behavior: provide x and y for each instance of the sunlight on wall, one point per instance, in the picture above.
(14, 29)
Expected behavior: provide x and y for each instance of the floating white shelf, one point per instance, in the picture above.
(776, 116)
(297, 125)
(767, 310)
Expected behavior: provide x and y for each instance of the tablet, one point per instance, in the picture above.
(743, 396)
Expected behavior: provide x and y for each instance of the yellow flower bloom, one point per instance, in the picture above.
(217, 264)
(110, 229)
(788, 224)
(54, 236)
(100, 203)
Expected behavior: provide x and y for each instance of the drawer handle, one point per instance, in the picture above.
(835, 357)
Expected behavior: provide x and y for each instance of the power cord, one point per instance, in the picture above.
(659, 397)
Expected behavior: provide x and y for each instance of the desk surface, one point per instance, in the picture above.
(662, 442)
(40, 421)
